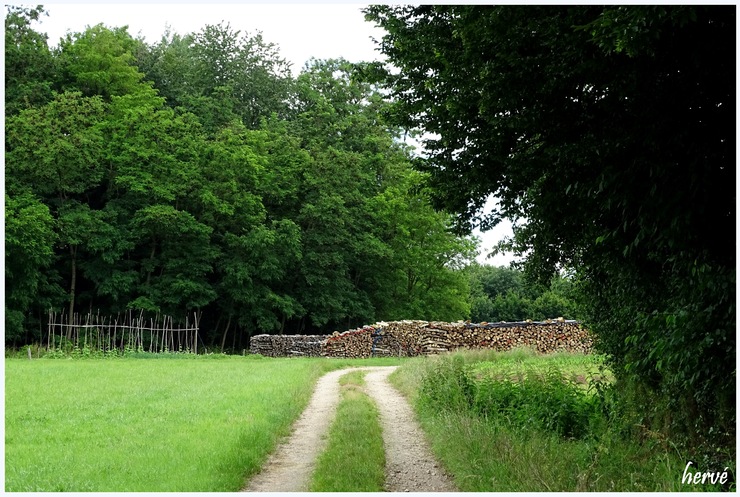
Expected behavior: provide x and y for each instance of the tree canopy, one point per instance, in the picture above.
(196, 174)
(608, 135)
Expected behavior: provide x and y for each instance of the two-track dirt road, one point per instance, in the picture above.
(410, 465)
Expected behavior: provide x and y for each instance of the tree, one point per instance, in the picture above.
(100, 61)
(256, 251)
(424, 270)
(506, 294)
(61, 165)
(29, 64)
(29, 240)
(220, 74)
(372, 247)
(607, 133)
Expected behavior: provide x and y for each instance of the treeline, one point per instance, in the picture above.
(196, 174)
(506, 294)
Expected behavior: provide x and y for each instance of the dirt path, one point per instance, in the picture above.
(410, 465)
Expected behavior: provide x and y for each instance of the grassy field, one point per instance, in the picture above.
(155, 425)
(517, 422)
(354, 459)
(497, 421)
(581, 369)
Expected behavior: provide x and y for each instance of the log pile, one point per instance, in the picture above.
(413, 338)
(424, 338)
(287, 345)
(356, 343)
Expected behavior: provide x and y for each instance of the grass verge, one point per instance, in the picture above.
(161, 425)
(522, 422)
(354, 459)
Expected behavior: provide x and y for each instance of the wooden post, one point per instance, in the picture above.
(195, 338)
(140, 331)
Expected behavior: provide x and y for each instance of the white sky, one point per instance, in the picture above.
(301, 31)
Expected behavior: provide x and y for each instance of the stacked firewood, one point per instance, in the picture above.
(357, 343)
(423, 338)
(287, 345)
(413, 338)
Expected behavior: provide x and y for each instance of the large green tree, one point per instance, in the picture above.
(62, 165)
(373, 246)
(100, 61)
(608, 134)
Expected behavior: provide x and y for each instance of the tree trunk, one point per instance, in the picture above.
(72, 289)
(215, 328)
(411, 282)
(151, 260)
(223, 340)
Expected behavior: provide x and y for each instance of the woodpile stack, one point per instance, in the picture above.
(423, 338)
(413, 338)
(287, 345)
(356, 343)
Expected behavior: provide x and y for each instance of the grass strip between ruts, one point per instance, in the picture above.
(354, 458)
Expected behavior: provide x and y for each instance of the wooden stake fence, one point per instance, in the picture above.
(129, 331)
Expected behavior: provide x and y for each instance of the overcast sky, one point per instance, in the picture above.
(301, 31)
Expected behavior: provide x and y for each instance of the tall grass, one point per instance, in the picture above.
(354, 459)
(150, 425)
(522, 422)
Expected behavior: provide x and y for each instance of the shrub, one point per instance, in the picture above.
(447, 385)
(546, 401)
(549, 402)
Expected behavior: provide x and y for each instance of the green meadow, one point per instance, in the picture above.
(156, 425)
(513, 421)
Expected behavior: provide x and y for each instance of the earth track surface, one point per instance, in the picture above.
(410, 465)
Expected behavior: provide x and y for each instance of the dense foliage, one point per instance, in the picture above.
(547, 401)
(506, 294)
(196, 174)
(608, 134)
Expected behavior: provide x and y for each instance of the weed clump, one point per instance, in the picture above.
(527, 399)
(550, 402)
(520, 422)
